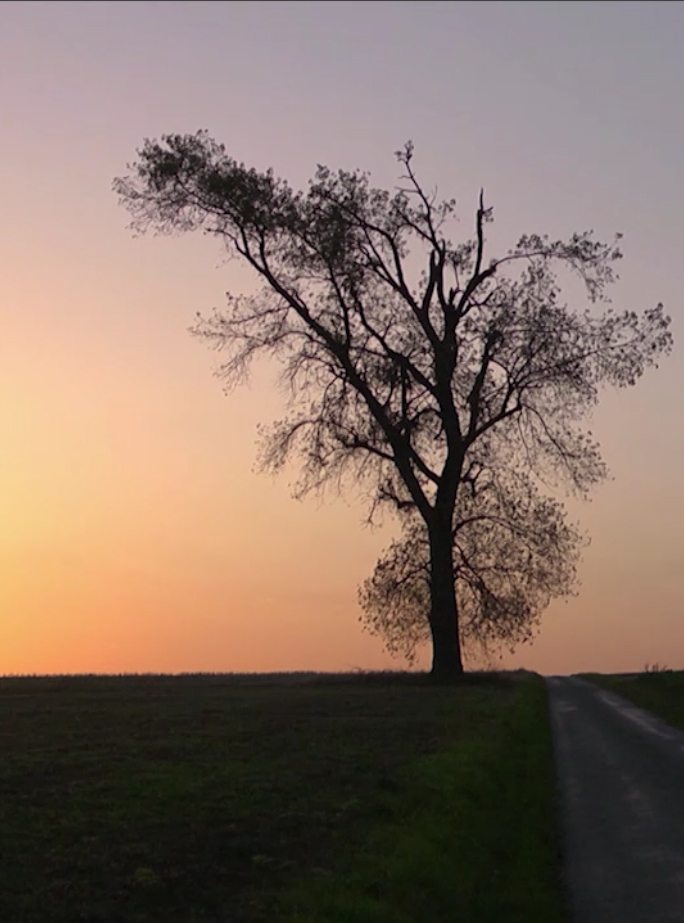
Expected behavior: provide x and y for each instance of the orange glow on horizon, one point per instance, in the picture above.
(134, 534)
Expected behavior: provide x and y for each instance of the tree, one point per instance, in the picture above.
(404, 381)
(513, 551)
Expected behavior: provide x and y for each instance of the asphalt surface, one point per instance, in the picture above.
(620, 777)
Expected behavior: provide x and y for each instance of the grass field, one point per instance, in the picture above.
(661, 692)
(207, 799)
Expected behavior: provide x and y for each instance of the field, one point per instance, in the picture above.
(661, 691)
(219, 799)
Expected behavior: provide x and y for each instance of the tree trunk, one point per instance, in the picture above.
(447, 663)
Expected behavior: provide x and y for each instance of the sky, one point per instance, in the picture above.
(135, 533)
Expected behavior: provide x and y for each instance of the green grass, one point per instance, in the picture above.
(660, 692)
(469, 834)
(207, 799)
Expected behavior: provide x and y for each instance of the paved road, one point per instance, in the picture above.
(621, 790)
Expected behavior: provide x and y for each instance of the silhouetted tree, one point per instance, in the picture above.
(513, 551)
(404, 380)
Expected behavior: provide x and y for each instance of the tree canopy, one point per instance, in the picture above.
(452, 395)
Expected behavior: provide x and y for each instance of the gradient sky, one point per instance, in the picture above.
(134, 533)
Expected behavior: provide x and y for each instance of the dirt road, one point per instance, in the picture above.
(621, 790)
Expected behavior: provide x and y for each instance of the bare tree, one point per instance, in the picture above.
(400, 379)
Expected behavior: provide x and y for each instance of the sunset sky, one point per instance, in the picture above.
(135, 534)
